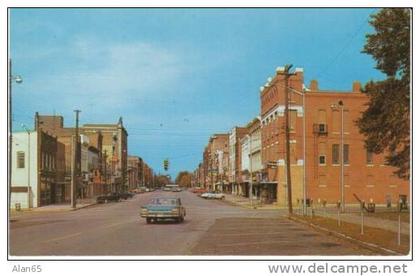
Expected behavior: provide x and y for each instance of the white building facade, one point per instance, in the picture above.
(24, 178)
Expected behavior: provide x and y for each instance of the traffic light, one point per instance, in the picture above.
(166, 164)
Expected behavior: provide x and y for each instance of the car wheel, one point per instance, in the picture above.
(106, 201)
(148, 220)
(181, 219)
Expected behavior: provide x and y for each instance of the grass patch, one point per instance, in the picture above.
(405, 216)
(383, 238)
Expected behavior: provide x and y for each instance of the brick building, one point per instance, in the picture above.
(217, 161)
(327, 152)
(135, 172)
(235, 162)
(114, 149)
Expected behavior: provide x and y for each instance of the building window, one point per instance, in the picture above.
(335, 154)
(322, 160)
(292, 118)
(346, 153)
(322, 116)
(369, 157)
(20, 159)
(336, 121)
(322, 153)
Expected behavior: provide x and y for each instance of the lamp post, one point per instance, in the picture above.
(340, 106)
(250, 171)
(10, 79)
(29, 165)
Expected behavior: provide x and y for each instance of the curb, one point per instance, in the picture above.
(367, 245)
(247, 206)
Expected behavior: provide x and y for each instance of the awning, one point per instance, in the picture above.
(268, 182)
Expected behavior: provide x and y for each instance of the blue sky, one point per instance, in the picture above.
(175, 75)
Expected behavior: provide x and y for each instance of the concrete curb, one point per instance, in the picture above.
(247, 206)
(367, 245)
(12, 218)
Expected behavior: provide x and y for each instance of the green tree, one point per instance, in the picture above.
(386, 121)
(183, 179)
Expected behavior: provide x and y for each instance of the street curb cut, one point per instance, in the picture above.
(367, 245)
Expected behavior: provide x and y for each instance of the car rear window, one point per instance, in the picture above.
(163, 201)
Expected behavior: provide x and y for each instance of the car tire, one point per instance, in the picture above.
(148, 220)
(106, 201)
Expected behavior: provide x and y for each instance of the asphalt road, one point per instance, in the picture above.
(211, 227)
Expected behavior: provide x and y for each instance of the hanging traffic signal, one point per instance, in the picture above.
(166, 164)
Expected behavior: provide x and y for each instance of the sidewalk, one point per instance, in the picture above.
(355, 217)
(65, 207)
(330, 212)
(246, 203)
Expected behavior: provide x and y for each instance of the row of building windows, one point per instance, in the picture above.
(335, 156)
(47, 160)
(322, 119)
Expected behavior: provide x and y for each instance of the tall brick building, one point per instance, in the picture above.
(114, 145)
(235, 162)
(325, 139)
(215, 160)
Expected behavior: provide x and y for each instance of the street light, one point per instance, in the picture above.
(18, 79)
(340, 106)
(29, 164)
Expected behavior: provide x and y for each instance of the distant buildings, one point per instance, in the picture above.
(42, 168)
(216, 158)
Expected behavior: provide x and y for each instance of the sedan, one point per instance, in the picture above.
(163, 208)
(213, 195)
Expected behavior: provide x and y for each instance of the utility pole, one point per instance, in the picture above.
(105, 172)
(341, 105)
(286, 112)
(250, 170)
(75, 171)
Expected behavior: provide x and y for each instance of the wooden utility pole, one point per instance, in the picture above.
(104, 160)
(286, 113)
(75, 170)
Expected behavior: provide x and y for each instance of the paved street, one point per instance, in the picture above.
(211, 228)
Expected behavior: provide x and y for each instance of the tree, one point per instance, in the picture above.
(386, 121)
(183, 179)
(162, 180)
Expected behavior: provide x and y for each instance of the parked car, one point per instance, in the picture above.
(126, 195)
(213, 195)
(167, 189)
(108, 197)
(163, 208)
(199, 191)
(176, 189)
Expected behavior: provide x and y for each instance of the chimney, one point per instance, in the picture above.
(36, 120)
(314, 85)
(356, 86)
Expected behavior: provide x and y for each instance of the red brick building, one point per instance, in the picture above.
(215, 162)
(329, 143)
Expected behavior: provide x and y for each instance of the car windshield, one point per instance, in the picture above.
(163, 201)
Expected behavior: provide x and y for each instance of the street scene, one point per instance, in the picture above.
(210, 228)
(203, 132)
